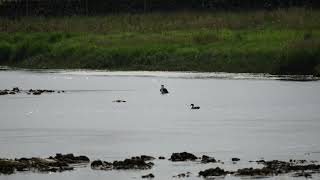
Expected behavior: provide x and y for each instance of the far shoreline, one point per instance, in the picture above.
(170, 74)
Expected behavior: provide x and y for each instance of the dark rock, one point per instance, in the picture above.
(276, 167)
(96, 163)
(119, 101)
(71, 159)
(303, 174)
(131, 164)
(16, 89)
(162, 157)
(254, 172)
(6, 170)
(9, 166)
(207, 159)
(37, 93)
(260, 161)
(4, 93)
(235, 159)
(147, 158)
(303, 161)
(182, 175)
(148, 176)
(137, 163)
(213, 172)
(12, 93)
(100, 165)
(303, 167)
(184, 156)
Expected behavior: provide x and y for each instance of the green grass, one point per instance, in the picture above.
(277, 42)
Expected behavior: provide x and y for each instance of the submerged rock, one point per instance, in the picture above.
(303, 174)
(148, 176)
(182, 175)
(254, 172)
(207, 159)
(184, 156)
(137, 163)
(213, 172)
(277, 167)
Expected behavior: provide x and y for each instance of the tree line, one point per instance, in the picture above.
(16, 8)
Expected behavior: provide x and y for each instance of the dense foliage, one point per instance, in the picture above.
(277, 42)
(16, 8)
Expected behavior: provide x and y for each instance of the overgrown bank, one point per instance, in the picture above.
(272, 43)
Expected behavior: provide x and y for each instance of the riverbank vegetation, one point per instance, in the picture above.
(285, 41)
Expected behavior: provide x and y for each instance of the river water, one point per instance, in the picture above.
(241, 116)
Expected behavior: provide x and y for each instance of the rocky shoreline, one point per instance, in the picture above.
(67, 162)
(36, 92)
(58, 163)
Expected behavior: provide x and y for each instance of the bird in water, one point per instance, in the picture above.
(194, 107)
(163, 90)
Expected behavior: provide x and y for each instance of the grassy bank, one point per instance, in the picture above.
(277, 42)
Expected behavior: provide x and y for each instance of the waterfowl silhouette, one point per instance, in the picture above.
(194, 107)
(163, 90)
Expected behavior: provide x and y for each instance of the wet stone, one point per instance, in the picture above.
(184, 156)
(213, 172)
(161, 157)
(71, 159)
(148, 176)
(207, 159)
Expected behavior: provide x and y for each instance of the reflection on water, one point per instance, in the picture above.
(239, 117)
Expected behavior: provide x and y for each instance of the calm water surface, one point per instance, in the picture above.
(246, 118)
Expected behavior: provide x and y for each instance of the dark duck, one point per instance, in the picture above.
(163, 90)
(194, 107)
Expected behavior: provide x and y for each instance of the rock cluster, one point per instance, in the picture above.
(270, 168)
(11, 92)
(138, 163)
(58, 163)
(41, 91)
(16, 90)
